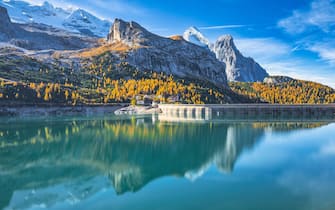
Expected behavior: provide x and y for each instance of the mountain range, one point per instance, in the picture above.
(176, 57)
(39, 37)
(74, 20)
(67, 43)
(238, 68)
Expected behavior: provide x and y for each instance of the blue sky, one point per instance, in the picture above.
(287, 37)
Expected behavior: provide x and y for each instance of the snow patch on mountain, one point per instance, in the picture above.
(87, 23)
(194, 35)
(76, 20)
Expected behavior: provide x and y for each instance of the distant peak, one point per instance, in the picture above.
(194, 35)
(6, 27)
(193, 28)
(227, 37)
(226, 41)
(81, 11)
(4, 17)
(47, 5)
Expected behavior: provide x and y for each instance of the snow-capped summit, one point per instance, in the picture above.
(194, 35)
(76, 20)
(87, 23)
(39, 36)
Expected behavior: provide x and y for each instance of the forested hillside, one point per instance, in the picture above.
(290, 92)
(102, 80)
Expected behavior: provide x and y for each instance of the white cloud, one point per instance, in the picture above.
(325, 50)
(221, 27)
(321, 14)
(319, 21)
(277, 58)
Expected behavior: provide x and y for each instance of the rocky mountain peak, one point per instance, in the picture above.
(130, 33)
(238, 67)
(4, 18)
(225, 47)
(6, 27)
(226, 41)
(48, 6)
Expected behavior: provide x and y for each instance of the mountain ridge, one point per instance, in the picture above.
(75, 20)
(177, 57)
(39, 37)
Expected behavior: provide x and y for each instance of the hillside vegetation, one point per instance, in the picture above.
(101, 80)
(105, 79)
(290, 92)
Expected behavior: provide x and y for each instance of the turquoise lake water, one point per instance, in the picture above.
(155, 163)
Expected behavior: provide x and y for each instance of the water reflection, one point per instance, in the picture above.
(44, 162)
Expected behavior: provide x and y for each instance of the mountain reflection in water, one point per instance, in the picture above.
(83, 156)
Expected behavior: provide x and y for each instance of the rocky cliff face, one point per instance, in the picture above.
(6, 28)
(177, 57)
(238, 67)
(129, 33)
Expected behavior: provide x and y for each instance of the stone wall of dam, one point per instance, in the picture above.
(183, 112)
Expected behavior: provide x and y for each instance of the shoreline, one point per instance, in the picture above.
(28, 110)
(56, 110)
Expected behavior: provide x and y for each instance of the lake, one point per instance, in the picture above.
(149, 162)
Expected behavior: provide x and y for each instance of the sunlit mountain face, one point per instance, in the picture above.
(47, 162)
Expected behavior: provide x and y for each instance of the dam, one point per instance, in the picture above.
(191, 112)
